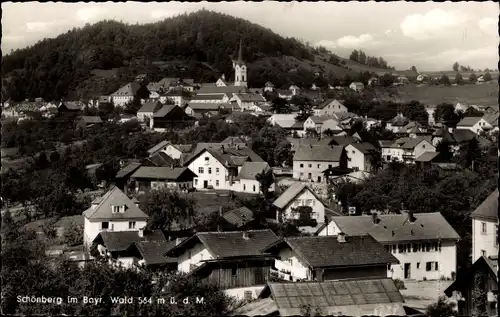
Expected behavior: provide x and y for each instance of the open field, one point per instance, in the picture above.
(418, 295)
(481, 95)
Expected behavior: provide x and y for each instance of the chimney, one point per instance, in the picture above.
(411, 219)
(341, 237)
(375, 219)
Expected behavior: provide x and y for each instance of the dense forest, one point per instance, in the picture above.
(372, 61)
(53, 67)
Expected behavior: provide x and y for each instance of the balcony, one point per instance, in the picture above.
(281, 275)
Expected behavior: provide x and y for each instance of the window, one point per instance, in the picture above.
(301, 165)
(431, 266)
(319, 165)
(131, 225)
(217, 182)
(116, 209)
(217, 170)
(290, 261)
(402, 248)
(423, 146)
(200, 170)
(329, 165)
(253, 187)
(418, 265)
(349, 159)
(244, 187)
(310, 165)
(483, 227)
(105, 225)
(209, 170)
(353, 152)
(309, 202)
(189, 255)
(483, 253)
(427, 247)
(296, 202)
(206, 159)
(301, 174)
(233, 271)
(309, 175)
(195, 182)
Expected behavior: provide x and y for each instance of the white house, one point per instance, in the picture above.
(357, 86)
(295, 196)
(327, 258)
(175, 151)
(310, 161)
(286, 94)
(485, 228)
(221, 82)
(247, 177)
(322, 124)
(269, 87)
(235, 257)
(248, 101)
(177, 96)
(294, 89)
(359, 156)
(112, 212)
(212, 98)
(474, 124)
(285, 120)
(425, 244)
(148, 110)
(406, 150)
(329, 107)
(218, 166)
(125, 94)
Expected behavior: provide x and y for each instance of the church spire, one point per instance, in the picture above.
(240, 53)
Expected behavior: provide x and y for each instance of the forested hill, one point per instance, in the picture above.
(97, 59)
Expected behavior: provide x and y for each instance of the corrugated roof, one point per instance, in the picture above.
(250, 169)
(127, 170)
(116, 241)
(152, 106)
(324, 153)
(229, 244)
(208, 105)
(249, 97)
(488, 209)
(114, 197)
(468, 121)
(239, 217)
(208, 97)
(161, 173)
(355, 297)
(426, 226)
(222, 90)
(290, 193)
(327, 251)
(260, 307)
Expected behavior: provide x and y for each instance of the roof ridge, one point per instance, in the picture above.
(236, 231)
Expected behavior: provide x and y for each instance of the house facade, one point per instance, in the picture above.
(329, 107)
(247, 177)
(310, 161)
(359, 156)
(295, 196)
(357, 86)
(112, 212)
(485, 228)
(248, 101)
(155, 177)
(474, 124)
(148, 110)
(406, 150)
(425, 244)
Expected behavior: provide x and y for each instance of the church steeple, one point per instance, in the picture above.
(240, 69)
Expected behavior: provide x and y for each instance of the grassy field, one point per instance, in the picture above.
(481, 95)
(418, 295)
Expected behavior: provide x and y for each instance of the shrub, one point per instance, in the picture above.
(399, 284)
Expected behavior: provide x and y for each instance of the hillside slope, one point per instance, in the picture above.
(76, 64)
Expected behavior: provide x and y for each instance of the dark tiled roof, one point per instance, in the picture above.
(249, 170)
(91, 119)
(463, 135)
(364, 147)
(127, 170)
(290, 193)
(488, 208)
(208, 105)
(222, 90)
(468, 121)
(426, 226)
(344, 140)
(427, 156)
(165, 110)
(327, 251)
(158, 146)
(121, 240)
(153, 252)
(324, 153)
(161, 159)
(356, 297)
(114, 197)
(152, 106)
(228, 157)
(127, 90)
(239, 217)
(230, 244)
(161, 173)
(208, 97)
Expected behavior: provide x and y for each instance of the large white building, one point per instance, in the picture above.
(310, 161)
(425, 244)
(485, 228)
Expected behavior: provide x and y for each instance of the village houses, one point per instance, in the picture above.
(320, 124)
(154, 177)
(295, 196)
(425, 243)
(485, 228)
(147, 111)
(357, 86)
(248, 177)
(329, 107)
(360, 156)
(474, 124)
(310, 162)
(405, 150)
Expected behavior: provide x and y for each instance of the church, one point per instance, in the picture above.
(240, 72)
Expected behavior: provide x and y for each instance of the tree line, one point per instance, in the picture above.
(372, 61)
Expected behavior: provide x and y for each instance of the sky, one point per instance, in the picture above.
(428, 35)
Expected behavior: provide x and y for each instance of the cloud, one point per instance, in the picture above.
(388, 32)
(351, 41)
(327, 44)
(434, 23)
(37, 27)
(488, 25)
(91, 14)
(160, 14)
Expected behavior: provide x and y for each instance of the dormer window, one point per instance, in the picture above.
(118, 209)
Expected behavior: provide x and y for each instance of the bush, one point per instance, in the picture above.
(73, 235)
(441, 308)
(399, 284)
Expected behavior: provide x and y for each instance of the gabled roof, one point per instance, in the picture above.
(161, 159)
(158, 146)
(250, 169)
(222, 90)
(427, 157)
(228, 156)
(327, 251)
(426, 226)
(324, 153)
(207, 106)
(488, 208)
(365, 147)
(269, 84)
(234, 140)
(151, 106)
(291, 193)
(412, 143)
(152, 252)
(114, 197)
(165, 110)
(466, 277)
(248, 97)
(116, 241)
(308, 141)
(343, 139)
(91, 119)
(355, 297)
(468, 121)
(161, 173)
(127, 170)
(327, 102)
(399, 121)
(73, 105)
(129, 89)
(228, 244)
(209, 97)
(238, 217)
(463, 135)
